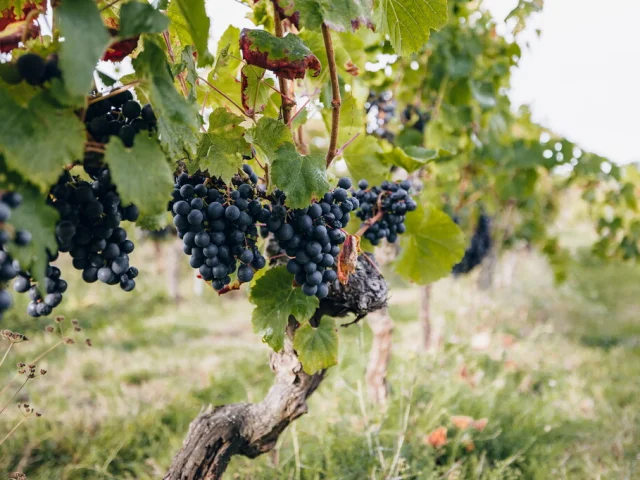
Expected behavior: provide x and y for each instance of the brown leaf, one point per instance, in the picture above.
(437, 438)
(348, 258)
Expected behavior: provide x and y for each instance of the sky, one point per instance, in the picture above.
(581, 76)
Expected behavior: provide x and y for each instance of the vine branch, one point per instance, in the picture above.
(336, 101)
(287, 102)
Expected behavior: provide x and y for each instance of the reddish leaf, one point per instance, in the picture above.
(348, 258)
(287, 57)
(13, 29)
(13, 34)
(119, 50)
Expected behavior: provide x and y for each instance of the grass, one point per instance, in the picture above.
(554, 369)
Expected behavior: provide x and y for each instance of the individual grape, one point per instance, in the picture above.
(245, 273)
(309, 290)
(31, 67)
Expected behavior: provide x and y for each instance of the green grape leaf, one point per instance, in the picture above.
(317, 348)
(189, 18)
(430, 247)
(221, 149)
(224, 73)
(85, 39)
(275, 298)
(301, 177)
(255, 89)
(59, 132)
(39, 219)
(267, 136)
(140, 17)
(364, 160)
(410, 158)
(408, 22)
(141, 173)
(177, 118)
(339, 15)
(352, 117)
(287, 57)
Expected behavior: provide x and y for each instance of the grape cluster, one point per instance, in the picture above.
(384, 208)
(89, 228)
(217, 225)
(479, 248)
(414, 117)
(32, 68)
(42, 304)
(9, 267)
(311, 237)
(381, 109)
(119, 115)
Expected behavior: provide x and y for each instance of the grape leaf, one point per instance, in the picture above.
(364, 160)
(39, 219)
(287, 57)
(410, 158)
(408, 22)
(177, 118)
(430, 247)
(255, 89)
(275, 298)
(351, 117)
(85, 39)
(221, 149)
(224, 73)
(190, 18)
(317, 348)
(141, 173)
(339, 15)
(267, 136)
(299, 176)
(59, 132)
(140, 17)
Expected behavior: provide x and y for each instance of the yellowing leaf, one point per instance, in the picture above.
(430, 247)
(317, 348)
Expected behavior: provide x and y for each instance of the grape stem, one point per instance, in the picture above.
(113, 92)
(335, 89)
(369, 223)
(220, 92)
(167, 41)
(349, 142)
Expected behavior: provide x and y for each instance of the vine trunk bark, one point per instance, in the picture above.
(425, 317)
(251, 429)
(381, 325)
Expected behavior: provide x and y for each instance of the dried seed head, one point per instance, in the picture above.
(77, 329)
(50, 329)
(88, 342)
(38, 414)
(75, 322)
(32, 365)
(20, 365)
(59, 319)
(69, 341)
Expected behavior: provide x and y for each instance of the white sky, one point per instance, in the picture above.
(581, 77)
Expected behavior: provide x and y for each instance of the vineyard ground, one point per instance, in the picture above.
(554, 370)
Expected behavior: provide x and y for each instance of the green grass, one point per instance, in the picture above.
(554, 369)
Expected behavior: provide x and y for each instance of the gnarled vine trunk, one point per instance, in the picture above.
(251, 429)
